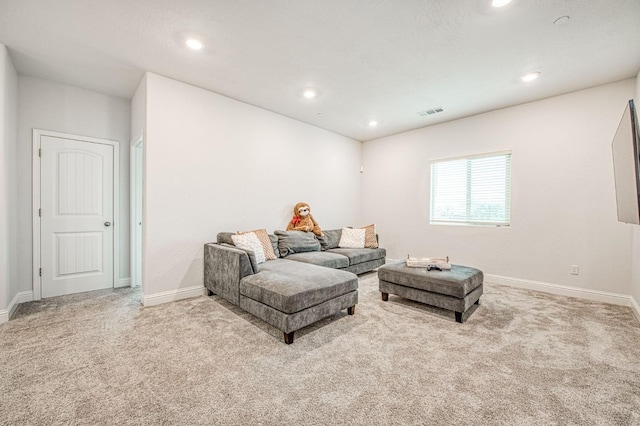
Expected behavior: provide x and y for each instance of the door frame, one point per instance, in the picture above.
(136, 174)
(35, 206)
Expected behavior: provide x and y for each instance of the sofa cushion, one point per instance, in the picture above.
(321, 258)
(330, 239)
(290, 242)
(360, 255)
(293, 286)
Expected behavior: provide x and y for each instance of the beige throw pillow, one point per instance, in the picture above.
(370, 240)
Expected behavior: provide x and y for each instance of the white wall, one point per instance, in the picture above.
(51, 106)
(635, 253)
(215, 164)
(139, 110)
(8, 191)
(563, 200)
(138, 129)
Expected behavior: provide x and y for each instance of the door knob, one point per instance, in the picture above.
(107, 224)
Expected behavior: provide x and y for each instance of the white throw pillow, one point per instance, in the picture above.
(352, 238)
(262, 235)
(251, 242)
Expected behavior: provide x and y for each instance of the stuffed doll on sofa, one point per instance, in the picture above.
(303, 221)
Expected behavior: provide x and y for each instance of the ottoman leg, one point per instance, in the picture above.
(210, 293)
(459, 317)
(288, 338)
(351, 310)
(385, 296)
(478, 301)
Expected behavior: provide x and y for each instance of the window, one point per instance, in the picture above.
(474, 190)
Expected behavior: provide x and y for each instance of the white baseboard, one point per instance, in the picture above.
(172, 296)
(5, 314)
(123, 282)
(25, 296)
(636, 308)
(21, 297)
(581, 293)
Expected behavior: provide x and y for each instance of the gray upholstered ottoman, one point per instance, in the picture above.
(456, 289)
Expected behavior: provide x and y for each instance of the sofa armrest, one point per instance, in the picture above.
(224, 267)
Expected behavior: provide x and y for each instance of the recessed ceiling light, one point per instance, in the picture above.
(530, 76)
(194, 44)
(563, 20)
(500, 3)
(373, 123)
(309, 93)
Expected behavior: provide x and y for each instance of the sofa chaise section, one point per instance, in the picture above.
(286, 294)
(293, 295)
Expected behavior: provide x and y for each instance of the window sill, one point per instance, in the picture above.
(474, 224)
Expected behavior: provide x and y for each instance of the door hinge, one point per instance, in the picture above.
(39, 152)
(40, 212)
(40, 271)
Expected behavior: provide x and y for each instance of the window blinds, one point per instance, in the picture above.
(474, 190)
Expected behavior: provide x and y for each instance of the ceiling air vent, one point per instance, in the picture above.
(428, 112)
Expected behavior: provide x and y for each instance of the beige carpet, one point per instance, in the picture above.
(522, 358)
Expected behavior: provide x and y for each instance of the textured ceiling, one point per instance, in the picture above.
(370, 59)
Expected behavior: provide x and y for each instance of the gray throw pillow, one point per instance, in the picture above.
(331, 238)
(274, 244)
(290, 242)
(225, 238)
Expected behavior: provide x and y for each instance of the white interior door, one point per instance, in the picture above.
(77, 213)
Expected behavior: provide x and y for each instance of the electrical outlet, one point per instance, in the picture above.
(575, 270)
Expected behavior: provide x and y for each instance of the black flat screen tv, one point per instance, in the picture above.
(626, 166)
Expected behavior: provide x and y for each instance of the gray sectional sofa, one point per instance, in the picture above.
(311, 279)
